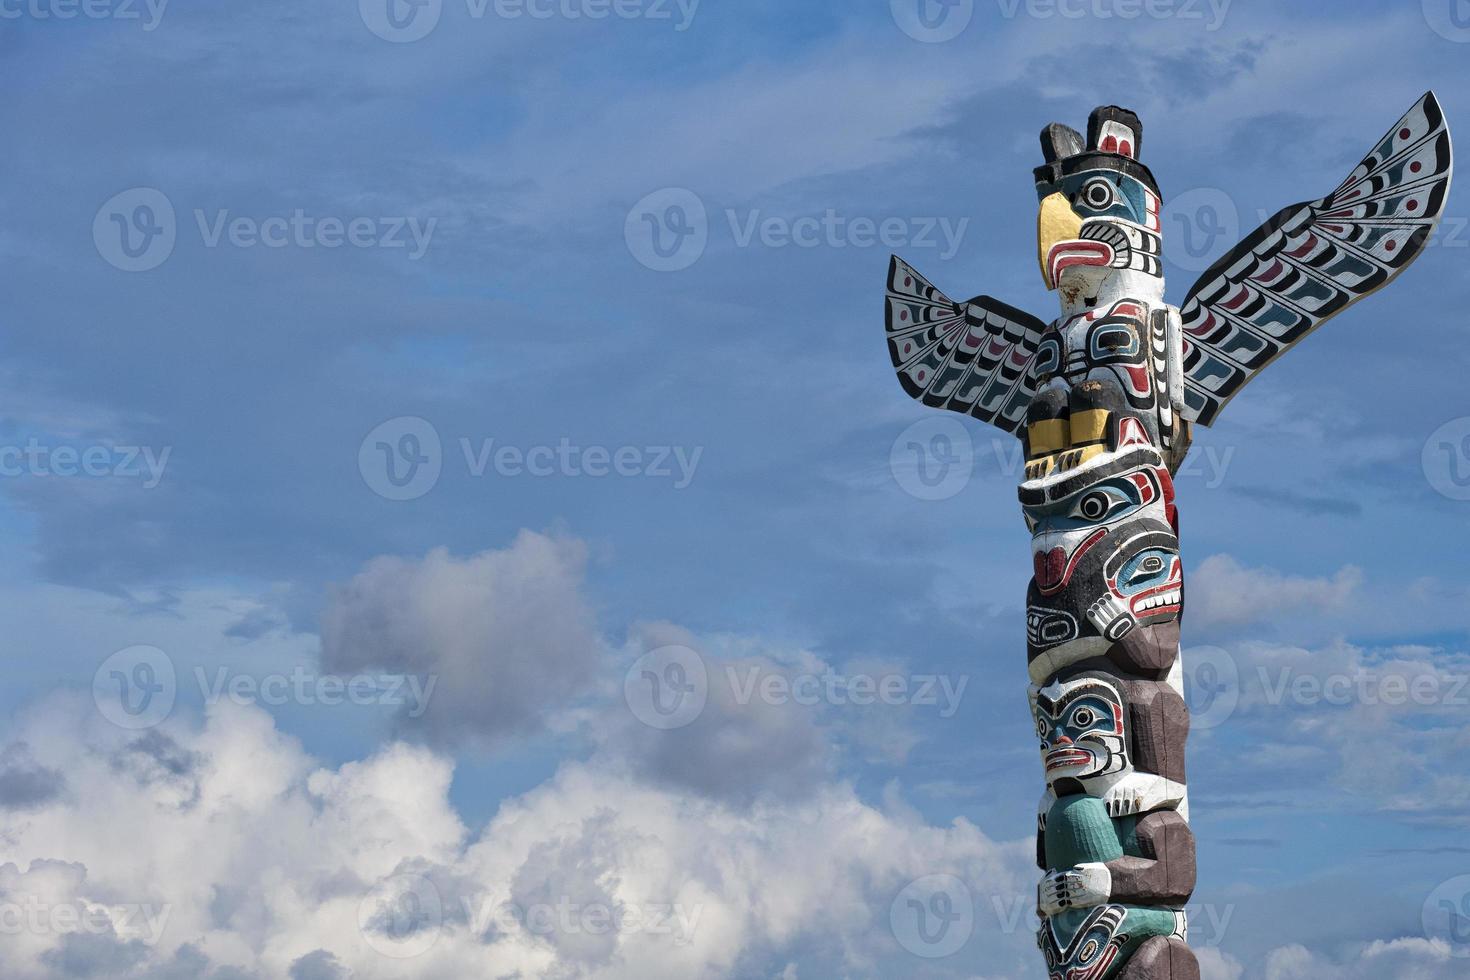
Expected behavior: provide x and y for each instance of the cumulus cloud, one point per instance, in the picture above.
(1222, 592)
(278, 867)
(1413, 958)
(503, 635)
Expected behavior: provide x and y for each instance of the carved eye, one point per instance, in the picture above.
(1098, 194)
(1151, 564)
(1089, 951)
(1084, 718)
(1094, 505)
(1114, 339)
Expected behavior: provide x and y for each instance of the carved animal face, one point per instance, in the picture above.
(1093, 950)
(1099, 205)
(1081, 724)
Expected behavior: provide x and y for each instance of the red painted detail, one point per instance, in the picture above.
(1139, 377)
(1125, 148)
(903, 315)
(1391, 245)
(1237, 299)
(1404, 134)
(908, 280)
(1415, 167)
(1306, 247)
(1413, 205)
(1054, 568)
(1110, 144)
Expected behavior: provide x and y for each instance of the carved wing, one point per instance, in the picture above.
(967, 357)
(1314, 260)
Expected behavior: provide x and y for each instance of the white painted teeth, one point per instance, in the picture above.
(1163, 599)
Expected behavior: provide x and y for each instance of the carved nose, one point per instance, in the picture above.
(1050, 566)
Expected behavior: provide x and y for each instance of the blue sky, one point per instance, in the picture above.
(234, 370)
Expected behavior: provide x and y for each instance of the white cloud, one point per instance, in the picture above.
(248, 854)
(1222, 592)
(506, 635)
(1401, 959)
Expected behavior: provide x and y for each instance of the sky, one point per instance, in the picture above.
(462, 520)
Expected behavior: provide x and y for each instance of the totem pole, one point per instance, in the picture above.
(1103, 399)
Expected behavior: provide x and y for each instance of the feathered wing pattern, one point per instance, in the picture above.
(970, 357)
(1314, 260)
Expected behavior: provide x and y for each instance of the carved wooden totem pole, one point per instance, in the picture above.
(1103, 399)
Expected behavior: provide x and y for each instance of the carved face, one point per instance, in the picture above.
(1081, 724)
(1093, 950)
(1096, 217)
(1072, 517)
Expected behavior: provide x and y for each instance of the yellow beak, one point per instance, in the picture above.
(1056, 222)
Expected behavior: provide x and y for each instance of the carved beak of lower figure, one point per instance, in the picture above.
(1059, 235)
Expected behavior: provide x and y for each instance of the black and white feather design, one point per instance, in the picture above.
(1314, 260)
(970, 357)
